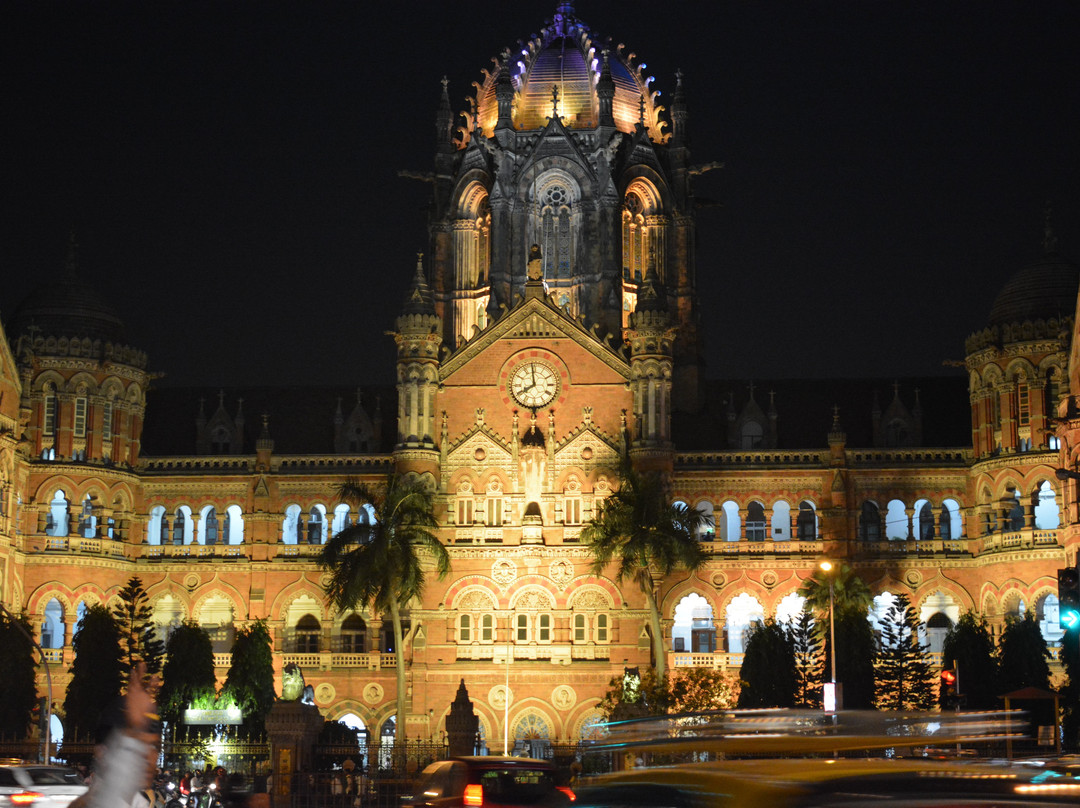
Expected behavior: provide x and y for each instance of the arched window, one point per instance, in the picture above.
(896, 521)
(342, 519)
(1016, 515)
(806, 522)
(634, 237)
(752, 435)
(755, 522)
(781, 521)
(183, 526)
(234, 525)
(315, 525)
(58, 521)
(157, 529)
(52, 625)
(556, 234)
(937, 626)
(292, 526)
(87, 520)
(707, 531)
(869, 521)
(1047, 514)
(306, 635)
(208, 526)
(730, 529)
(926, 521)
(353, 638)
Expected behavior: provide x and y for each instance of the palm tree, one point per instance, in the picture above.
(376, 563)
(640, 530)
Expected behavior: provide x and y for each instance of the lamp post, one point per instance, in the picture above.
(827, 568)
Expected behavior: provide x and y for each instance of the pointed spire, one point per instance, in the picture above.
(605, 92)
(554, 102)
(651, 294)
(265, 433)
(679, 114)
(419, 299)
(1049, 238)
(504, 94)
(444, 120)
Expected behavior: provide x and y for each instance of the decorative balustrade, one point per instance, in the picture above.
(1017, 540)
(744, 547)
(922, 547)
(298, 551)
(343, 463)
(192, 464)
(74, 544)
(554, 651)
(196, 551)
(223, 660)
(909, 457)
(54, 656)
(720, 660)
(763, 458)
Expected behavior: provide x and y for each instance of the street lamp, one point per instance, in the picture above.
(832, 697)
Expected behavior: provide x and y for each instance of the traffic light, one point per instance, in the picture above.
(1069, 598)
(950, 687)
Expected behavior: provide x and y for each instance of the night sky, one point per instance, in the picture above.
(230, 169)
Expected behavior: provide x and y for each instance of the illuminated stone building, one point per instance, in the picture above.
(549, 328)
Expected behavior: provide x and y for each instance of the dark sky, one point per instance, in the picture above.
(230, 168)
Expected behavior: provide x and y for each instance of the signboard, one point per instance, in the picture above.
(231, 715)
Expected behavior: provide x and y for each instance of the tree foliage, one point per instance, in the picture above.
(1025, 659)
(969, 650)
(903, 676)
(694, 690)
(187, 679)
(250, 681)
(97, 672)
(18, 670)
(138, 632)
(638, 529)
(689, 690)
(376, 563)
(768, 675)
(808, 665)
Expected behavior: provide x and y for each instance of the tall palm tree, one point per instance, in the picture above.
(639, 529)
(376, 563)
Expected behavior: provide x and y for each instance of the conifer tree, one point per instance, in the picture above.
(96, 673)
(138, 632)
(808, 662)
(903, 678)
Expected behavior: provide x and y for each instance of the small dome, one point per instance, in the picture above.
(567, 55)
(1044, 289)
(66, 305)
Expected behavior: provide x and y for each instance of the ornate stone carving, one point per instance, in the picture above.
(533, 600)
(504, 572)
(373, 693)
(563, 697)
(474, 601)
(561, 571)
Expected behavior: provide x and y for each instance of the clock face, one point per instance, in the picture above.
(534, 384)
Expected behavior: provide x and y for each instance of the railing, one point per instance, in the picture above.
(743, 547)
(770, 458)
(342, 462)
(160, 551)
(909, 457)
(197, 463)
(324, 660)
(310, 551)
(74, 544)
(223, 660)
(914, 548)
(700, 659)
(54, 656)
(555, 651)
(1018, 540)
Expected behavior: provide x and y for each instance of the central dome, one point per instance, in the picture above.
(567, 56)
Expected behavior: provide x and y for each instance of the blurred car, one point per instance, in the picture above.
(23, 785)
(481, 782)
(825, 783)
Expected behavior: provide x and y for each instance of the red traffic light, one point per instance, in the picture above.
(948, 677)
